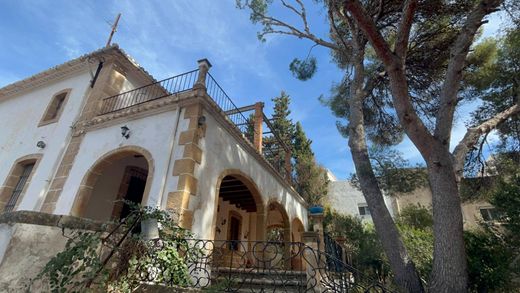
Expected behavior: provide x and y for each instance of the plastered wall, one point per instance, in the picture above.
(222, 152)
(152, 133)
(19, 132)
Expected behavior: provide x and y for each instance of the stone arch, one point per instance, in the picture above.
(7, 190)
(260, 214)
(297, 230)
(93, 174)
(274, 206)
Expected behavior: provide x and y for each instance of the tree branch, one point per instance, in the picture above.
(403, 33)
(335, 28)
(459, 51)
(273, 25)
(473, 134)
(410, 121)
(366, 23)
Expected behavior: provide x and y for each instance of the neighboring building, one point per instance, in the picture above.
(472, 211)
(78, 138)
(345, 198)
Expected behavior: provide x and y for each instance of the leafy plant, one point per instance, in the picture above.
(119, 259)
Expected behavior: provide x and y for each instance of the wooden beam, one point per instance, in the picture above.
(240, 110)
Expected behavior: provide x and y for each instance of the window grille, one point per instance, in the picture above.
(490, 214)
(19, 187)
(364, 211)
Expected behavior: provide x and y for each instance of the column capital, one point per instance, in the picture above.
(204, 63)
(204, 66)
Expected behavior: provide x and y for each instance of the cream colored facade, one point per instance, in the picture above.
(346, 199)
(180, 148)
(422, 196)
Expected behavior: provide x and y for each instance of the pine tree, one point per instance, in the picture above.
(309, 177)
(283, 128)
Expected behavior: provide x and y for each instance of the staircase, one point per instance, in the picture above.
(254, 280)
(268, 267)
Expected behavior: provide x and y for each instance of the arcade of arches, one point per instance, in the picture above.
(241, 214)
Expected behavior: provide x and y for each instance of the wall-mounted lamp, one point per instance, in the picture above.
(202, 121)
(41, 144)
(125, 131)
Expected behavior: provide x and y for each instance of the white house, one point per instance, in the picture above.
(346, 199)
(79, 137)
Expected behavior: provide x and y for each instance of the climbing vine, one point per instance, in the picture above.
(119, 258)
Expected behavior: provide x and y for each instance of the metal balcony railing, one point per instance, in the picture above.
(150, 92)
(274, 149)
(219, 96)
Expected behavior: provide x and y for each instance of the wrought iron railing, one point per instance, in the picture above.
(260, 266)
(237, 117)
(274, 149)
(150, 92)
(334, 249)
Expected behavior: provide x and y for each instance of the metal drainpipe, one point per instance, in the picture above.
(163, 202)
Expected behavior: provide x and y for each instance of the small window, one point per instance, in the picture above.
(364, 211)
(490, 214)
(22, 181)
(55, 107)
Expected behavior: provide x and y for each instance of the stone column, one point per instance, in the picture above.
(204, 67)
(259, 120)
(288, 167)
(312, 261)
(316, 221)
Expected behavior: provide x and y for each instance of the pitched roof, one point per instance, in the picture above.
(64, 69)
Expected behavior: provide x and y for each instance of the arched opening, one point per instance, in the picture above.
(239, 219)
(117, 178)
(297, 230)
(278, 227)
(17, 181)
(278, 234)
(239, 210)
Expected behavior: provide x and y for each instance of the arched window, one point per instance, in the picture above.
(55, 108)
(17, 181)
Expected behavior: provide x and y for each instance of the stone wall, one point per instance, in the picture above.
(28, 240)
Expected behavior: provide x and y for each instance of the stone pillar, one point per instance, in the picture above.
(288, 167)
(259, 120)
(204, 67)
(316, 221)
(179, 200)
(261, 220)
(312, 259)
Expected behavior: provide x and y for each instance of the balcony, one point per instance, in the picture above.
(250, 121)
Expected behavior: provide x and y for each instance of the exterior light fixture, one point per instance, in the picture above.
(125, 131)
(41, 144)
(201, 121)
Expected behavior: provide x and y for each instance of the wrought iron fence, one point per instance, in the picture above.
(150, 92)
(335, 250)
(261, 266)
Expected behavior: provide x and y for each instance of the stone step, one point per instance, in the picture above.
(256, 271)
(259, 280)
(262, 285)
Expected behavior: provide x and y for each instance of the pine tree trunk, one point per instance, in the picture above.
(403, 268)
(449, 272)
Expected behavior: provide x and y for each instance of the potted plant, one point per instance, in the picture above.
(315, 206)
(316, 209)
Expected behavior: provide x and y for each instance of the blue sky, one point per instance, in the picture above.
(168, 37)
